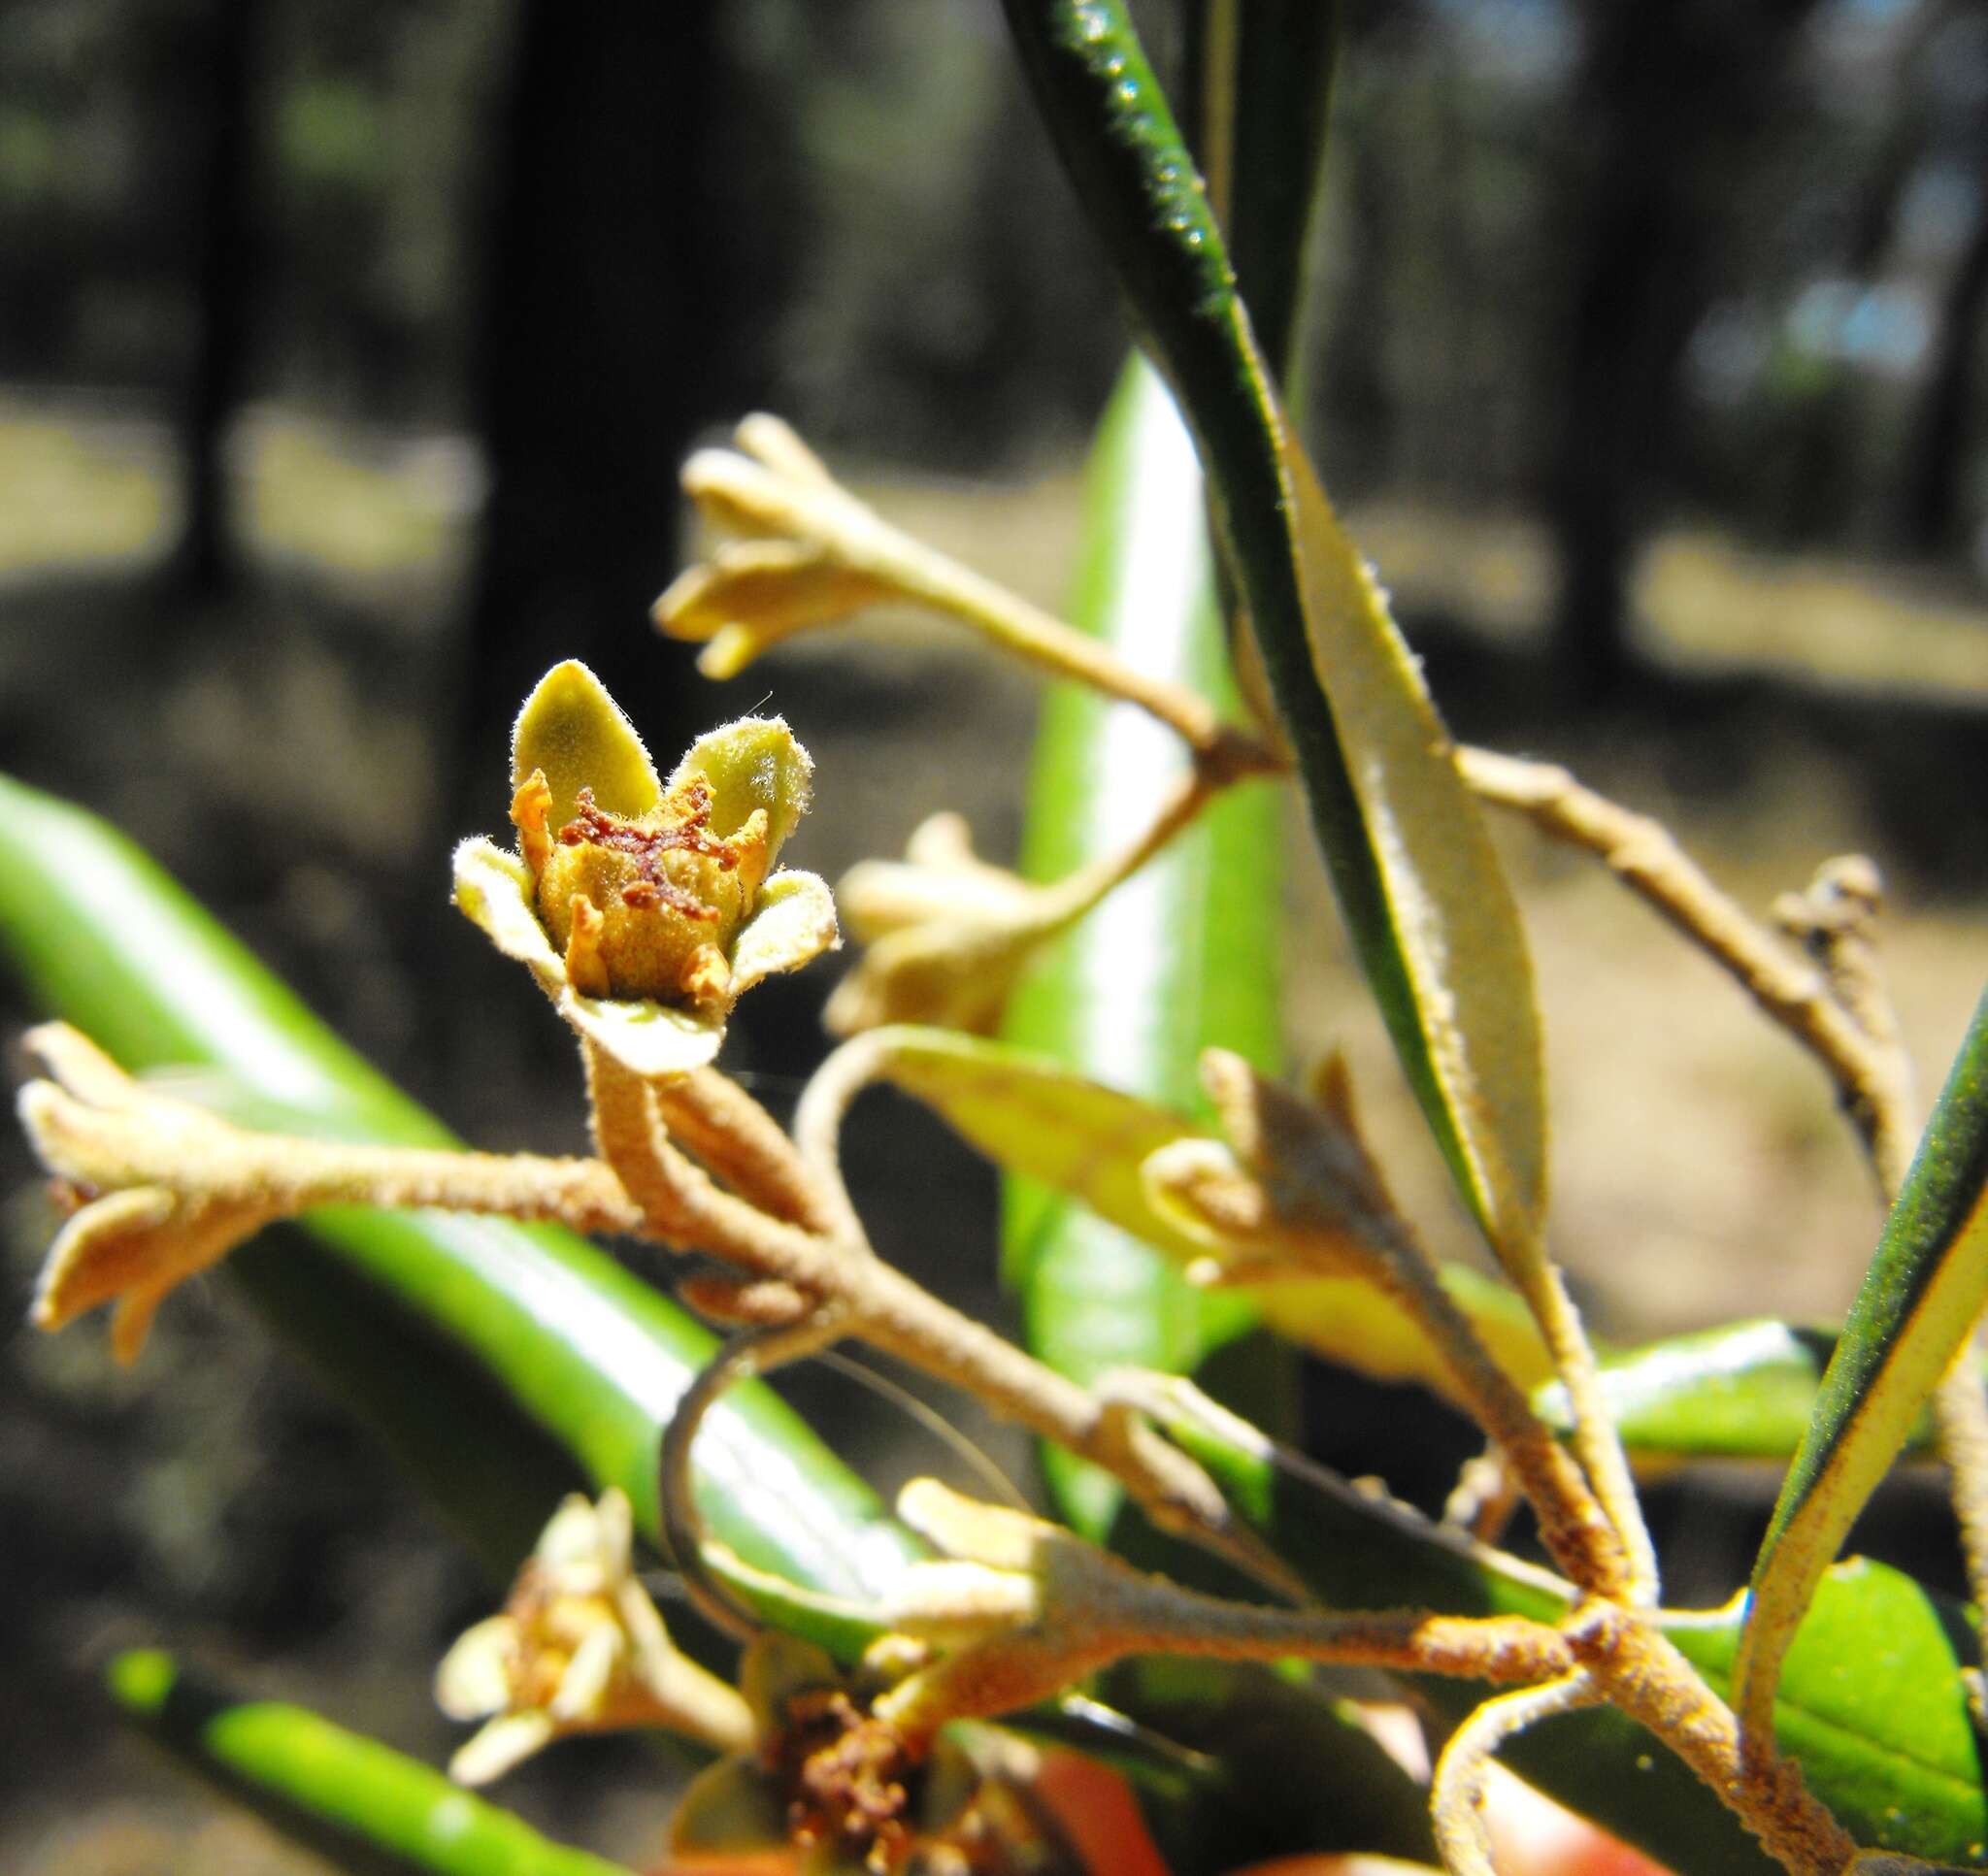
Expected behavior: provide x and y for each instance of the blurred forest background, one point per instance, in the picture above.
(346, 357)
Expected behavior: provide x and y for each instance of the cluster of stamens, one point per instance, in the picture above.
(846, 1774)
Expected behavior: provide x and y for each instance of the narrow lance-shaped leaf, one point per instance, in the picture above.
(1917, 1310)
(1180, 956)
(1428, 906)
(367, 1809)
(1259, 95)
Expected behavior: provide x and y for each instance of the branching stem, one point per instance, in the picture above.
(682, 1207)
(751, 1352)
(1456, 1797)
(1642, 1673)
(1645, 857)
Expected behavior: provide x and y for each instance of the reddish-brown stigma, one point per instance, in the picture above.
(593, 826)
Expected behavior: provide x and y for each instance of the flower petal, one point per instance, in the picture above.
(134, 1245)
(583, 1697)
(740, 496)
(474, 1679)
(990, 1534)
(493, 889)
(731, 1810)
(751, 763)
(615, 1535)
(793, 924)
(751, 594)
(131, 1321)
(507, 1741)
(571, 1546)
(951, 972)
(576, 733)
(884, 896)
(955, 1603)
(648, 1038)
(773, 441)
(80, 1068)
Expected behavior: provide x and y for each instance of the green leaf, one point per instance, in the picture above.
(1921, 1300)
(367, 1809)
(1872, 1702)
(1430, 911)
(504, 1325)
(1180, 957)
(1745, 1390)
(1032, 1114)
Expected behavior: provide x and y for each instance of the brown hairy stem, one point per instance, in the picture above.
(683, 1207)
(1642, 1673)
(1643, 853)
(106, 1132)
(1456, 1796)
(741, 1143)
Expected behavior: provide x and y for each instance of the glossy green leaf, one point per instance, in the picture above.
(1921, 1300)
(1745, 1390)
(533, 1326)
(1033, 1116)
(1031, 1113)
(368, 1809)
(1742, 1390)
(1426, 901)
(1871, 1702)
(1180, 957)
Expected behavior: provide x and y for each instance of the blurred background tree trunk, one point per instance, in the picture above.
(220, 63)
(1670, 95)
(1822, 482)
(609, 335)
(1936, 469)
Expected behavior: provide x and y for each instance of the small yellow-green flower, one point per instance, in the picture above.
(812, 554)
(827, 1790)
(129, 1240)
(948, 934)
(579, 1649)
(644, 908)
